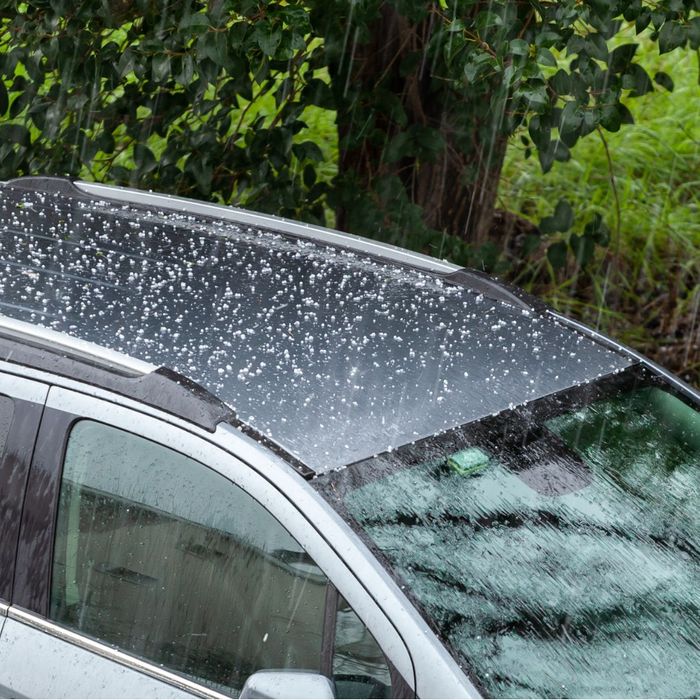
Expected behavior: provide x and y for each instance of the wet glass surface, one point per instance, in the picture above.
(167, 560)
(555, 548)
(330, 354)
(359, 667)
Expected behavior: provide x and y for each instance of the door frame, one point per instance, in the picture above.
(28, 397)
(65, 407)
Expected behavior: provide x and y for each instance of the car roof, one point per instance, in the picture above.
(330, 351)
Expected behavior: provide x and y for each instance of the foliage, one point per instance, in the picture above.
(489, 68)
(645, 287)
(185, 97)
(208, 99)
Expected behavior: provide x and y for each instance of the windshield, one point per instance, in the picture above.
(552, 547)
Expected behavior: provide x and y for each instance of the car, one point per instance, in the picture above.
(244, 456)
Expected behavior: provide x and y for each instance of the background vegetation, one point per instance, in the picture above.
(427, 124)
(644, 288)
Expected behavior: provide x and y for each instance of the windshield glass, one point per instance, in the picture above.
(552, 547)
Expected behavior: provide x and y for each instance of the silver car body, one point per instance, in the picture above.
(66, 664)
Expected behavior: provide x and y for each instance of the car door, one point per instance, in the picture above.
(153, 563)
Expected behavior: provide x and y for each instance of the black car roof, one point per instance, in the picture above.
(333, 355)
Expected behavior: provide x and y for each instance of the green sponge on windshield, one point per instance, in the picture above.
(468, 462)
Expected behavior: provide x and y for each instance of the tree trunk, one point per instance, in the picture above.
(454, 184)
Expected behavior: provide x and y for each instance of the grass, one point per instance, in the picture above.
(645, 288)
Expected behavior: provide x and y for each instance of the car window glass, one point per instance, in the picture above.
(360, 669)
(168, 560)
(553, 548)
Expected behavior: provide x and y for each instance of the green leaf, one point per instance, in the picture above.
(694, 33)
(307, 150)
(430, 141)
(583, 248)
(561, 151)
(119, 174)
(597, 231)
(606, 26)
(579, 88)
(37, 113)
(550, 36)
(267, 39)
(21, 101)
(671, 36)
(570, 123)
(144, 158)
(126, 63)
(105, 142)
(642, 22)
(546, 156)
(14, 133)
(519, 47)
(633, 10)
(309, 175)
(561, 82)
(637, 81)
(556, 254)
(536, 95)
(160, 68)
(186, 72)
(531, 244)
(664, 80)
(196, 22)
(621, 57)
(562, 219)
(316, 92)
(399, 147)
(478, 64)
(625, 115)
(596, 47)
(214, 46)
(658, 19)
(540, 132)
(613, 116)
(201, 171)
(546, 57)
(591, 119)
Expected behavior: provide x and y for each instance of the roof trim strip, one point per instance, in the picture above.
(274, 223)
(160, 388)
(492, 288)
(81, 349)
(473, 280)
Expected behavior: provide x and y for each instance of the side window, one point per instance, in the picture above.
(166, 559)
(359, 667)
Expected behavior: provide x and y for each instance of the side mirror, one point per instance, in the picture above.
(288, 684)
